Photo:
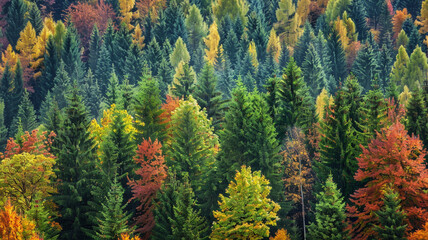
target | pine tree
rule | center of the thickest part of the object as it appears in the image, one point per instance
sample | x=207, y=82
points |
x=153, y=55
x=313, y=72
x=70, y=55
x=374, y=110
x=94, y=49
x=147, y=110
x=122, y=43
x=391, y=217
x=91, y=94
x=321, y=45
x=76, y=167
x=126, y=96
x=416, y=116
x=366, y=66
x=184, y=81
x=134, y=64
x=337, y=57
x=3, y=129
x=358, y=14
x=329, y=214
x=196, y=28
x=208, y=96
x=104, y=68
x=16, y=20
x=34, y=17
x=416, y=72
x=303, y=44
x=112, y=94
x=26, y=116
x=385, y=66
x=114, y=220
x=14, y=95
x=415, y=39
x=165, y=76
x=54, y=118
x=400, y=66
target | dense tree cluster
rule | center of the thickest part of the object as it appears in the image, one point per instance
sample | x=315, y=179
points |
x=214, y=119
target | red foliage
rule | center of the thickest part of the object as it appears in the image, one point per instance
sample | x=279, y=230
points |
x=150, y=6
x=85, y=15
x=169, y=106
x=152, y=173
x=390, y=8
x=393, y=158
x=352, y=52
x=314, y=12
x=30, y=143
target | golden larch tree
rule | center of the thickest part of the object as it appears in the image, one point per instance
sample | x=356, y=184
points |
x=274, y=45
x=211, y=42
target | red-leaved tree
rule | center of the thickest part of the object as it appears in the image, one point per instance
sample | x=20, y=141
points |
x=152, y=173
x=393, y=158
x=33, y=143
x=168, y=107
x=85, y=15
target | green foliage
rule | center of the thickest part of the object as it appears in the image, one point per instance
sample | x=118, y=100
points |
x=61, y=86
x=184, y=81
x=16, y=20
x=196, y=28
x=416, y=116
x=374, y=110
x=112, y=94
x=91, y=94
x=34, y=17
x=94, y=49
x=3, y=129
x=104, y=68
x=134, y=64
x=70, y=55
x=391, y=217
x=337, y=57
x=313, y=72
x=416, y=72
x=366, y=66
x=329, y=214
x=26, y=116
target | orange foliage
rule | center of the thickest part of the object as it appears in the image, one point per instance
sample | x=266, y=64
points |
x=30, y=143
x=152, y=173
x=150, y=6
x=85, y=15
x=15, y=227
x=392, y=158
x=127, y=237
x=352, y=52
x=421, y=234
x=281, y=234
x=168, y=107
x=398, y=20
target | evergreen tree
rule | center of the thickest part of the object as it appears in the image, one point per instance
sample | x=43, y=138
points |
x=14, y=96
x=284, y=58
x=165, y=76
x=122, y=43
x=91, y=94
x=321, y=45
x=329, y=214
x=374, y=110
x=134, y=64
x=104, y=68
x=3, y=129
x=313, y=72
x=180, y=53
x=16, y=20
x=258, y=34
x=385, y=66
x=414, y=39
x=61, y=86
x=196, y=28
x=26, y=116
x=358, y=14
x=184, y=81
x=112, y=94
x=147, y=110
x=76, y=167
x=391, y=217
x=337, y=57
x=366, y=66
x=303, y=44
x=232, y=48
x=114, y=220
x=54, y=118
x=416, y=72
x=414, y=6
x=176, y=214
x=398, y=72
x=416, y=116
x=154, y=56
x=94, y=49
x=208, y=96
x=70, y=55
x=126, y=96
x=34, y=17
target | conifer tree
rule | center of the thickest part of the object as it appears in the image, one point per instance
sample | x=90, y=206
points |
x=391, y=217
x=34, y=17
x=273, y=46
x=321, y=45
x=91, y=94
x=358, y=14
x=258, y=33
x=416, y=72
x=385, y=66
x=366, y=66
x=94, y=49
x=61, y=86
x=70, y=55
x=208, y=96
x=112, y=94
x=374, y=110
x=76, y=167
x=303, y=44
x=14, y=95
x=313, y=72
x=104, y=68
x=416, y=116
x=3, y=129
x=402, y=39
x=134, y=64
x=212, y=43
x=26, y=116
x=233, y=9
x=122, y=43
x=114, y=220
x=337, y=57
x=184, y=81
x=288, y=22
x=196, y=28
x=54, y=118
x=399, y=69
x=16, y=20
x=329, y=214
x=147, y=108
x=414, y=39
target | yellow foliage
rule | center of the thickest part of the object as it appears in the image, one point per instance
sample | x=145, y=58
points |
x=99, y=132
x=405, y=96
x=39, y=47
x=421, y=234
x=346, y=30
x=281, y=234
x=212, y=41
x=303, y=10
x=137, y=37
x=322, y=101
x=253, y=53
x=27, y=40
x=125, y=10
x=423, y=18
x=274, y=45
x=127, y=237
x=10, y=57
x=288, y=26
x=16, y=227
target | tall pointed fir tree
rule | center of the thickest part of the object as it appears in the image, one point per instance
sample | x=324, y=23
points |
x=416, y=72
x=26, y=116
x=35, y=18
x=5, y=86
x=358, y=14
x=337, y=58
x=76, y=167
x=153, y=55
x=3, y=129
x=112, y=94
x=374, y=110
x=313, y=72
x=14, y=94
x=94, y=48
x=122, y=43
x=134, y=64
x=303, y=44
x=91, y=94
x=61, y=86
x=330, y=214
x=385, y=66
x=147, y=108
x=184, y=81
x=208, y=96
x=391, y=217
x=104, y=68
x=16, y=20
x=398, y=72
x=417, y=116
x=366, y=66
x=70, y=55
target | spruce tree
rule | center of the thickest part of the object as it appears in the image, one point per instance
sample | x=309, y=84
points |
x=208, y=96
x=112, y=94
x=184, y=81
x=257, y=33
x=104, y=68
x=321, y=45
x=14, y=95
x=76, y=167
x=417, y=116
x=34, y=17
x=134, y=64
x=329, y=214
x=114, y=220
x=374, y=110
x=337, y=57
x=16, y=20
x=62, y=84
x=385, y=66
x=165, y=76
x=122, y=43
x=303, y=44
x=313, y=72
x=366, y=66
x=26, y=116
x=94, y=49
x=70, y=55
x=91, y=94
x=154, y=56
x=3, y=129
x=391, y=217
x=358, y=14
x=147, y=108
x=126, y=96
x=414, y=39
x=416, y=72
x=196, y=28
x=54, y=118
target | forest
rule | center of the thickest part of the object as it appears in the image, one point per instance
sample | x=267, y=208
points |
x=213, y=119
